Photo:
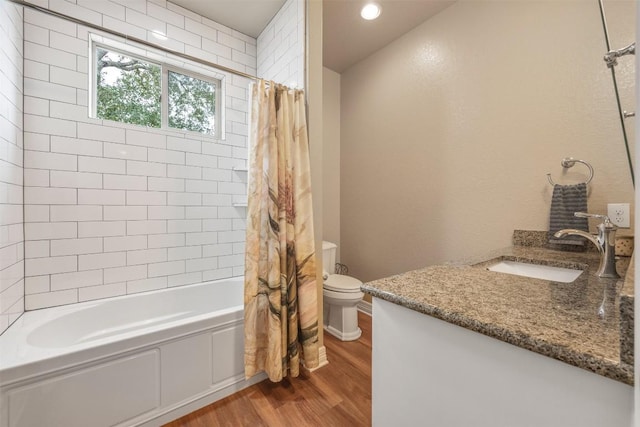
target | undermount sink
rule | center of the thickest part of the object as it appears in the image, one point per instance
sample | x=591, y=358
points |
x=536, y=271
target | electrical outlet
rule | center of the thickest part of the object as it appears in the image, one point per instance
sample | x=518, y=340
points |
x=619, y=214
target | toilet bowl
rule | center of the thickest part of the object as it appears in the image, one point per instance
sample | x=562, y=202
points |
x=341, y=295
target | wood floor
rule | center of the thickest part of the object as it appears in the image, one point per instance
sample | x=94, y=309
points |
x=336, y=395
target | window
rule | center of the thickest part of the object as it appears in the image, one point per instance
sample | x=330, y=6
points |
x=192, y=103
x=133, y=90
x=128, y=89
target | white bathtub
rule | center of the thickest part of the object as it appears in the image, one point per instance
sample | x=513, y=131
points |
x=141, y=359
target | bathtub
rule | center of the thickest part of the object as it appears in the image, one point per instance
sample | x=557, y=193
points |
x=135, y=360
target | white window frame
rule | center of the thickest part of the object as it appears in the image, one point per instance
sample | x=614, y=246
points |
x=166, y=64
x=165, y=96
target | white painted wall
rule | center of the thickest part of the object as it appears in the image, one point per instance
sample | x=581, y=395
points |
x=11, y=163
x=448, y=132
x=281, y=46
x=111, y=208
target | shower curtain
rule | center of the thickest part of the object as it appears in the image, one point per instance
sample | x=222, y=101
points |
x=280, y=300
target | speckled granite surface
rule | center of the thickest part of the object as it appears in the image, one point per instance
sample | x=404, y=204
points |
x=627, y=315
x=578, y=323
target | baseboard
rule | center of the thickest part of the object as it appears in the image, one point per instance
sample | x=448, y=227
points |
x=365, y=307
x=322, y=359
x=193, y=404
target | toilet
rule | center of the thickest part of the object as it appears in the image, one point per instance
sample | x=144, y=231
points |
x=341, y=295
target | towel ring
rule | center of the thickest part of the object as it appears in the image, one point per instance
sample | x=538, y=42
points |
x=567, y=163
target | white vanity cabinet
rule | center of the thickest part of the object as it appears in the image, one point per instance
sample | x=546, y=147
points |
x=427, y=372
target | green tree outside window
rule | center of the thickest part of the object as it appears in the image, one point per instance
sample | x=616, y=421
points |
x=191, y=103
x=129, y=90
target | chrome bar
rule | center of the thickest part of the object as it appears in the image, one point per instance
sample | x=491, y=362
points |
x=617, y=94
x=133, y=39
x=611, y=57
x=569, y=162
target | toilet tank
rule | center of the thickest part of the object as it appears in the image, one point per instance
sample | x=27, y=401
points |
x=329, y=257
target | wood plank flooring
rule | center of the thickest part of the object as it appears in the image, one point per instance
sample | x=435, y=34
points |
x=336, y=395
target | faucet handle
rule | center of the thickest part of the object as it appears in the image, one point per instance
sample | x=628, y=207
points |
x=588, y=215
x=605, y=219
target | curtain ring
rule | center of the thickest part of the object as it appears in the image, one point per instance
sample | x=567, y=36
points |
x=567, y=163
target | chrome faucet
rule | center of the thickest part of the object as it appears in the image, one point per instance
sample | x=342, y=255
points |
x=605, y=242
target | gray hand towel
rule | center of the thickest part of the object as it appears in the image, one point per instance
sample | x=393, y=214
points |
x=565, y=201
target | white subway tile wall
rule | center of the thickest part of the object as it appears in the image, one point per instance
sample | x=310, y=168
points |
x=12, y=283
x=113, y=208
x=280, y=47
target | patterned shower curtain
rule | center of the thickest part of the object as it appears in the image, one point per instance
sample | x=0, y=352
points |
x=280, y=300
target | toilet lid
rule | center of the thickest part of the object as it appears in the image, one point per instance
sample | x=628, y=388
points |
x=342, y=283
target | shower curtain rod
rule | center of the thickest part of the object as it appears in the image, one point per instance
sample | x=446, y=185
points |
x=133, y=39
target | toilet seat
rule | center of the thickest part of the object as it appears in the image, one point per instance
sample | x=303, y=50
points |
x=342, y=283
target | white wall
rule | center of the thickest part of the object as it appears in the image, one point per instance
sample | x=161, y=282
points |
x=448, y=132
x=281, y=46
x=331, y=157
x=111, y=208
x=11, y=163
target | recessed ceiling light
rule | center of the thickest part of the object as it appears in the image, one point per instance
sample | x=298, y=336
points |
x=370, y=11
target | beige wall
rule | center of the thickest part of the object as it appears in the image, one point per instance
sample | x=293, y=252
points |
x=448, y=132
x=331, y=157
x=313, y=84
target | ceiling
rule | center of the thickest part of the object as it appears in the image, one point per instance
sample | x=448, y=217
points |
x=347, y=38
x=249, y=17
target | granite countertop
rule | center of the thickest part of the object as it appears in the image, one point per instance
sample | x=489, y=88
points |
x=578, y=323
